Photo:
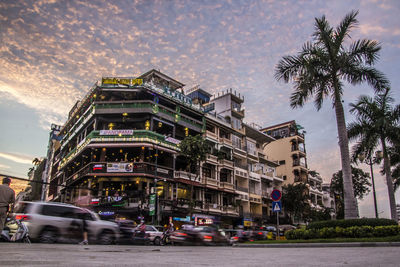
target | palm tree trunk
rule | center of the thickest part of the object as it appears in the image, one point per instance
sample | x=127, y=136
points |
x=389, y=181
x=350, y=204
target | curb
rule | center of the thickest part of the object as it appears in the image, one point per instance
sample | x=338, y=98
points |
x=321, y=245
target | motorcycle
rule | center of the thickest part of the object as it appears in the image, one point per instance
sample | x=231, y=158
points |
x=165, y=239
x=15, y=231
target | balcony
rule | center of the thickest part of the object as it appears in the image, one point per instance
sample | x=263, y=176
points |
x=211, y=135
x=266, y=192
x=187, y=176
x=239, y=112
x=126, y=136
x=231, y=210
x=212, y=159
x=255, y=198
x=212, y=207
x=210, y=182
x=241, y=172
x=242, y=189
x=120, y=169
x=226, y=141
x=254, y=176
x=226, y=163
x=299, y=163
x=227, y=185
x=239, y=152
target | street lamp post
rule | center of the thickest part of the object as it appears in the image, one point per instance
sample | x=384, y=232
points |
x=371, y=161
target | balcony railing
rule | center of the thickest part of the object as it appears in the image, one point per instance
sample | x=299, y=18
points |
x=212, y=207
x=241, y=172
x=136, y=136
x=118, y=168
x=242, y=189
x=210, y=181
x=227, y=163
x=299, y=163
x=225, y=141
x=187, y=176
x=227, y=185
x=212, y=135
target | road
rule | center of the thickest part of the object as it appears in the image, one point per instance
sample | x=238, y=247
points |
x=12, y=254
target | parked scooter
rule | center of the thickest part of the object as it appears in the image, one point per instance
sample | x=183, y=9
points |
x=15, y=231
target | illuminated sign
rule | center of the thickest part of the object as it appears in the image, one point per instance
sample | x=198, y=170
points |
x=98, y=167
x=116, y=132
x=179, y=219
x=125, y=81
x=119, y=167
x=106, y=213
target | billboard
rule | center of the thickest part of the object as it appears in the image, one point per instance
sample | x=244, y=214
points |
x=119, y=167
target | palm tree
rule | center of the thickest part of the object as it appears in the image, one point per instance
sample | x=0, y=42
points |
x=377, y=124
x=320, y=69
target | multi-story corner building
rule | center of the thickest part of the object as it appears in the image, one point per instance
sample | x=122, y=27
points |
x=254, y=174
x=289, y=150
x=120, y=144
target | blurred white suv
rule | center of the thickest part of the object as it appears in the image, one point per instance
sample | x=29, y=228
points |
x=50, y=222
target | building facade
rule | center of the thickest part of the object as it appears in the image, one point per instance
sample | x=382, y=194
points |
x=120, y=145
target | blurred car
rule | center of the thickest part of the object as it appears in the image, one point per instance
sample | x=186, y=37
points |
x=154, y=234
x=50, y=222
x=201, y=235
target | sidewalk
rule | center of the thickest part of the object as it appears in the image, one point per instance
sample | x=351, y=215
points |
x=321, y=245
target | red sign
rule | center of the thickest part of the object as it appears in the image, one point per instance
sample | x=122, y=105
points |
x=276, y=195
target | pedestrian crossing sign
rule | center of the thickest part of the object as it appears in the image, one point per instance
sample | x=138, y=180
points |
x=276, y=206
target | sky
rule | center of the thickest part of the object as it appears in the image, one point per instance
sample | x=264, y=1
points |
x=52, y=52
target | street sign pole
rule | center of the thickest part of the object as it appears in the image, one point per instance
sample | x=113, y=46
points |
x=277, y=226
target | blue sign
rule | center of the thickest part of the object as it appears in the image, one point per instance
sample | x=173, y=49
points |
x=276, y=206
x=276, y=195
x=178, y=219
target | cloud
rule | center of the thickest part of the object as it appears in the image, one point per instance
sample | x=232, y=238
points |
x=19, y=158
x=4, y=166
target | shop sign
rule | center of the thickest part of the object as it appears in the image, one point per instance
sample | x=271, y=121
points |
x=162, y=171
x=179, y=219
x=98, y=167
x=119, y=167
x=116, y=132
x=152, y=205
x=121, y=80
x=203, y=216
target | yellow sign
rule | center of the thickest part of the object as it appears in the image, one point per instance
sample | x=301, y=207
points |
x=126, y=81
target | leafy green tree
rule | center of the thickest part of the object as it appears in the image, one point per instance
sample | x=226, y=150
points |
x=395, y=163
x=377, y=125
x=360, y=183
x=295, y=200
x=195, y=150
x=320, y=69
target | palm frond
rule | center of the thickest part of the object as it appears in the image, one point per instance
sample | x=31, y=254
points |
x=343, y=29
x=365, y=51
x=356, y=74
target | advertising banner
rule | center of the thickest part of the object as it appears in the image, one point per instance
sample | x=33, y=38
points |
x=116, y=132
x=152, y=205
x=119, y=167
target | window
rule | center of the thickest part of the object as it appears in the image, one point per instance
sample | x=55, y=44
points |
x=284, y=177
x=58, y=211
x=236, y=141
x=236, y=123
x=282, y=162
